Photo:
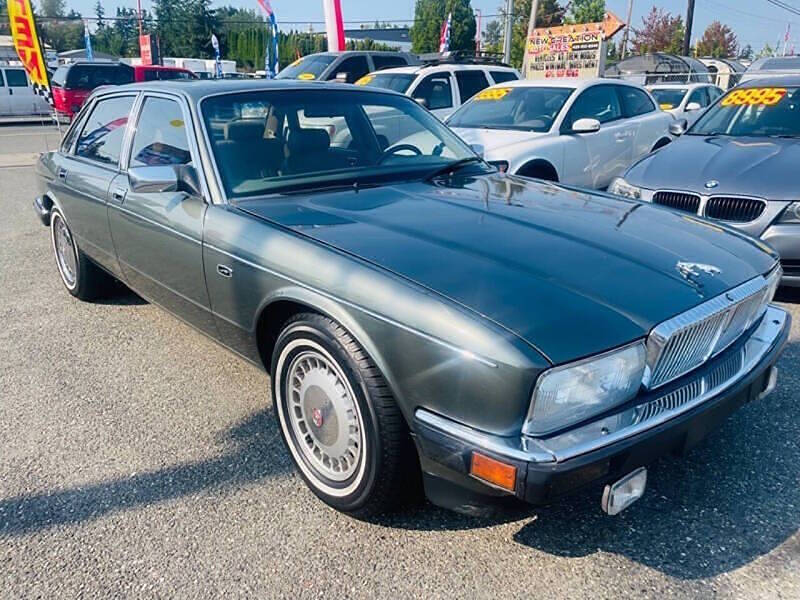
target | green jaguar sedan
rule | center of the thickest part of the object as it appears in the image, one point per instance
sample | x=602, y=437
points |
x=427, y=322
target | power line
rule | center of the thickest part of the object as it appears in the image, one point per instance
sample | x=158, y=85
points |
x=785, y=6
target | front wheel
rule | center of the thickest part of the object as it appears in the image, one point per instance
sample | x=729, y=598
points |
x=339, y=421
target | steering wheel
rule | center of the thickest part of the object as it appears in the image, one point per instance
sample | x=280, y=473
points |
x=399, y=148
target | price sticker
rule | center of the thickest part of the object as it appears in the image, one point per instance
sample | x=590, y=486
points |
x=754, y=96
x=493, y=94
x=365, y=80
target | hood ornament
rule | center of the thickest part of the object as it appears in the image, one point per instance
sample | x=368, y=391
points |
x=711, y=184
x=692, y=269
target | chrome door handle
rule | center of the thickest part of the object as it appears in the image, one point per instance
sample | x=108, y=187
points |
x=118, y=195
x=62, y=174
x=225, y=270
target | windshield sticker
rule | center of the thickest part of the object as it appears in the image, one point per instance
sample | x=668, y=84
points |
x=493, y=94
x=176, y=122
x=666, y=106
x=754, y=96
x=365, y=79
x=306, y=76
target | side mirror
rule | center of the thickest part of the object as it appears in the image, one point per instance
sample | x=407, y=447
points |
x=164, y=178
x=693, y=106
x=341, y=77
x=422, y=101
x=478, y=149
x=586, y=126
x=679, y=127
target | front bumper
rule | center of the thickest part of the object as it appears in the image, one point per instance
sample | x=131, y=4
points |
x=672, y=419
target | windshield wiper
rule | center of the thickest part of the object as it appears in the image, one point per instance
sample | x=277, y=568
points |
x=452, y=166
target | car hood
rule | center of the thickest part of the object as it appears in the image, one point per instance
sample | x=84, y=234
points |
x=761, y=167
x=491, y=139
x=570, y=272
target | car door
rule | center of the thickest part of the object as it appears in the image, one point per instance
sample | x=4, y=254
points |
x=87, y=172
x=435, y=92
x=20, y=95
x=158, y=234
x=648, y=125
x=5, y=102
x=594, y=159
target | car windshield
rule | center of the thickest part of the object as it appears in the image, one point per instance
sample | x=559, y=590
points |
x=753, y=112
x=308, y=67
x=278, y=140
x=397, y=82
x=523, y=108
x=668, y=98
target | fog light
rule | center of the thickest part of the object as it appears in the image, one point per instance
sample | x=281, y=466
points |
x=620, y=495
x=493, y=471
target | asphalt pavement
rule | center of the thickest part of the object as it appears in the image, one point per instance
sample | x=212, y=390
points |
x=139, y=459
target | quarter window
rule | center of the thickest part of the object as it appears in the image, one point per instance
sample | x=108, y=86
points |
x=598, y=102
x=160, y=137
x=635, y=102
x=503, y=76
x=101, y=138
x=470, y=83
x=435, y=91
x=16, y=78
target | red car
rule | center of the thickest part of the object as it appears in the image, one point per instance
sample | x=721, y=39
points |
x=73, y=83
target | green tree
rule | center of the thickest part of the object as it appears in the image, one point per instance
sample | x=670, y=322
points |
x=767, y=50
x=53, y=8
x=428, y=18
x=586, y=11
x=747, y=52
x=5, y=26
x=548, y=14
x=718, y=41
x=493, y=36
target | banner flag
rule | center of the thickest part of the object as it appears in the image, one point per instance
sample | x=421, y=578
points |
x=334, y=26
x=28, y=46
x=217, y=61
x=271, y=64
x=444, y=38
x=87, y=41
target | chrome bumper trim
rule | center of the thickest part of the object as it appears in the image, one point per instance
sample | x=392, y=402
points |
x=631, y=421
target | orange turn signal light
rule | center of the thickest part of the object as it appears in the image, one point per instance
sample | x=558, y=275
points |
x=493, y=471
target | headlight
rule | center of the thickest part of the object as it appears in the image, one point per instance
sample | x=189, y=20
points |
x=620, y=187
x=791, y=214
x=571, y=393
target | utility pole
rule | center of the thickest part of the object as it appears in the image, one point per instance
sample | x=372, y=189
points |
x=687, y=41
x=624, y=52
x=139, y=15
x=508, y=32
x=531, y=27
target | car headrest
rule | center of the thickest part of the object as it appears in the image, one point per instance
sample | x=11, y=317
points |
x=308, y=140
x=244, y=129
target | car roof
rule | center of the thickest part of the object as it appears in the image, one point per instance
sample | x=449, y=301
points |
x=578, y=84
x=195, y=89
x=672, y=86
x=772, y=80
x=419, y=69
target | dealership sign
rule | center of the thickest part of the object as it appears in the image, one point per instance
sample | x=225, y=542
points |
x=569, y=51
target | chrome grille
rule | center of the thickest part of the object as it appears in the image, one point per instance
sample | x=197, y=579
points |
x=686, y=341
x=738, y=210
x=678, y=201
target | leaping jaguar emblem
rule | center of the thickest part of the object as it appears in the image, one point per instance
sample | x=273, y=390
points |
x=692, y=269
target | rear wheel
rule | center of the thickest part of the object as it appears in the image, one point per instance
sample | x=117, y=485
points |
x=339, y=421
x=82, y=278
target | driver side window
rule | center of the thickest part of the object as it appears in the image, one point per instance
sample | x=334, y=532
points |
x=599, y=102
x=436, y=91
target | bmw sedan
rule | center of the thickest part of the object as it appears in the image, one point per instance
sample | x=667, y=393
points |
x=426, y=321
x=736, y=165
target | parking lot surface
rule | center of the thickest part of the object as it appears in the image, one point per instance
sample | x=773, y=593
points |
x=139, y=459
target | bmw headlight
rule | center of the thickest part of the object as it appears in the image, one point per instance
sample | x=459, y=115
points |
x=571, y=393
x=791, y=215
x=620, y=187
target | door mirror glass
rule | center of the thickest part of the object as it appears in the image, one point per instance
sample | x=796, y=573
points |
x=341, y=77
x=586, y=126
x=422, y=102
x=678, y=127
x=153, y=180
x=693, y=106
x=478, y=149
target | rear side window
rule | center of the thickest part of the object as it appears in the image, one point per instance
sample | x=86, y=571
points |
x=88, y=77
x=635, y=102
x=503, y=76
x=16, y=78
x=382, y=61
x=470, y=83
x=355, y=67
x=160, y=135
x=59, y=78
x=101, y=138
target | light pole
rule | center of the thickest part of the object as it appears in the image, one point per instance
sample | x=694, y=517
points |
x=507, y=38
x=627, y=30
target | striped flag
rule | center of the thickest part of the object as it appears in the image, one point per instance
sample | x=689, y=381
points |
x=334, y=26
x=271, y=65
x=444, y=38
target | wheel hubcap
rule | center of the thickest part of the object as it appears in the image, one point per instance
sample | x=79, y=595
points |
x=65, y=252
x=323, y=415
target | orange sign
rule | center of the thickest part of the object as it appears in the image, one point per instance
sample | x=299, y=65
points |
x=146, y=49
x=26, y=42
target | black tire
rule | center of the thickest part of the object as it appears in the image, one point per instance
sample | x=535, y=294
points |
x=387, y=467
x=88, y=281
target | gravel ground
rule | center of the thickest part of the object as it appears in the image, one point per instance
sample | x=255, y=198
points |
x=139, y=459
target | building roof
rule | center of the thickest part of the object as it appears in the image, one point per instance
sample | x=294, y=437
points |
x=398, y=35
x=80, y=53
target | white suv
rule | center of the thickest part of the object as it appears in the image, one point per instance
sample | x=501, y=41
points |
x=441, y=86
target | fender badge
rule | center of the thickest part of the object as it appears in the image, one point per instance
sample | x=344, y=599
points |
x=711, y=184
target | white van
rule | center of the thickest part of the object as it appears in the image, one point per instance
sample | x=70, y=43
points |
x=17, y=98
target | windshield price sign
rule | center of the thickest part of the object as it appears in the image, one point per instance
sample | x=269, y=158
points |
x=754, y=96
x=493, y=94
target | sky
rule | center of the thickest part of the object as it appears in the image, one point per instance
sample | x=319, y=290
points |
x=755, y=22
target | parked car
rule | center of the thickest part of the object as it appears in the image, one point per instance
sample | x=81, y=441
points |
x=73, y=83
x=685, y=101
x=442, y=85
x=735, y=165
x=17, y=98
x=347, y=67
x=772, y=66
x=583, y=133
x=417, y=311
